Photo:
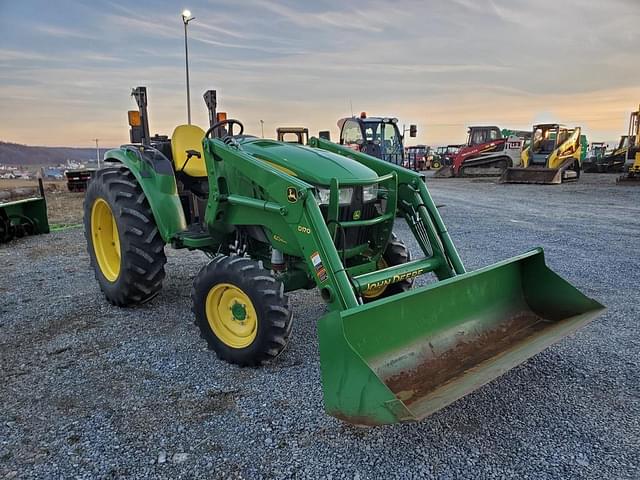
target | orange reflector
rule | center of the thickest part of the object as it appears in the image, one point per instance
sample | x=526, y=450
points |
x=221, y=116
x=134, y=118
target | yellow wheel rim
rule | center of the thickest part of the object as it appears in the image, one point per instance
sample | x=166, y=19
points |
x=374, y=292
x=106, y=243
x=231, y=315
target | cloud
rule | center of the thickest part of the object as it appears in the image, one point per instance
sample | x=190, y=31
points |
x=61, y=32
x=372, y=18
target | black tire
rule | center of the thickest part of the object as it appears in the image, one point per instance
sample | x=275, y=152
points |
x=142, y=257
x=396, y=253
x=267, y=298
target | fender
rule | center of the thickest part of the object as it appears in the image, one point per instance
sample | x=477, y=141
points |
x=155, y=176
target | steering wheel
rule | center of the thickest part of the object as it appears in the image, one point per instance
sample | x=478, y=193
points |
x=230, y=122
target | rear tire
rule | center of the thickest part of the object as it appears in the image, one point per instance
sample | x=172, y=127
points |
x=241, y=311
x=396, y=253
x=128, y=256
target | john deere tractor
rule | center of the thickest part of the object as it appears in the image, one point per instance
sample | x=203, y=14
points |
x=276, y=217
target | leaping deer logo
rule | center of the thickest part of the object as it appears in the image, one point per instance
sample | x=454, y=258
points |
x=292, y=194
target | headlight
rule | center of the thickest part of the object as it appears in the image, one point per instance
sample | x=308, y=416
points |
x=370, y=193
x=323, y=195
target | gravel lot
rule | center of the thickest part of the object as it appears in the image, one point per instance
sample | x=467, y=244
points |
x=94, y=391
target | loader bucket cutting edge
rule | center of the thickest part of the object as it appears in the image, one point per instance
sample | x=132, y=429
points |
x=405, y=357
x=544, y=176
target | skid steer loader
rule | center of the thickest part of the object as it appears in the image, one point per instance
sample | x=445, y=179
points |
x=487, y=153
x=554, y=156
x=276, y=217
x=616, y=160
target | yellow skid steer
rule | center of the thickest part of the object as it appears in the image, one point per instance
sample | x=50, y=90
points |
x=552, y=157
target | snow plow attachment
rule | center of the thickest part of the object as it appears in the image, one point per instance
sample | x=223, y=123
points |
x=404, y=357
x=24, y=217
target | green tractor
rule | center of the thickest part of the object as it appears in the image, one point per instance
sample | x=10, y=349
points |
x=276, y=217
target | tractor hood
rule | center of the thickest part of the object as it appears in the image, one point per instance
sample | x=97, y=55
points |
x=312, y=165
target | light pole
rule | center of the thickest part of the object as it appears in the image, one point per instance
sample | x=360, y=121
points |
x=262, y=127
x=186, y=18
x=97, y=152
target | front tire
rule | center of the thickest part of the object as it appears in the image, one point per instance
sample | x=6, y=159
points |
x=125, y=248
x=241, y=311
x=396, y=253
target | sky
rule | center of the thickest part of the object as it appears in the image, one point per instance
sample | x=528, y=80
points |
x=67, y=66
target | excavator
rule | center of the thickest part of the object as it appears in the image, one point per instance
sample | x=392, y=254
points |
x=486, y=153
x=553, y=157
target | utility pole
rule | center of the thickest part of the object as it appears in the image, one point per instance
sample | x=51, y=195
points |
x=97, y=152
x=262, y=127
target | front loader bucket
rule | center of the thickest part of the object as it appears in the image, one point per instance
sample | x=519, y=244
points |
x=404, y=357
x=444, y=172
x=545, y=176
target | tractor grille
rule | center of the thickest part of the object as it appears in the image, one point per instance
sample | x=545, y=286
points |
x=356, y=235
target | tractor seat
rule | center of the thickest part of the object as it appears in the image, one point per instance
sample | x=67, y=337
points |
x=186, y=151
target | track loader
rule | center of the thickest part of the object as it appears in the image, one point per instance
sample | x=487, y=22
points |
x=487, y=153
x=276, y=217
x=554, y=156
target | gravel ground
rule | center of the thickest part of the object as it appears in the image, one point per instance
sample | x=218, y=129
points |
x=94, y=391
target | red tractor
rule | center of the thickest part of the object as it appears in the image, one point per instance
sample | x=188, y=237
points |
x=486, y=153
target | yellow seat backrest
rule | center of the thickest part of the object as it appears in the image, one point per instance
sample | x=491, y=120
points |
x=188, y=137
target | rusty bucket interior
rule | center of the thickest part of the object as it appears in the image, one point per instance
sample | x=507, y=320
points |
x=404, y=357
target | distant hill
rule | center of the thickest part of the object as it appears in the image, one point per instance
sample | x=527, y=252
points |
x=16, y=154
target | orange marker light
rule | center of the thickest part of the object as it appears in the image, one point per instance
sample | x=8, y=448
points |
x=134, y=118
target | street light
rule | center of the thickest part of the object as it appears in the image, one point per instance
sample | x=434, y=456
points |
x=262, y=127
x=186, y=18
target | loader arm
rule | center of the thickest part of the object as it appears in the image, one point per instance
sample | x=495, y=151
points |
x=415, y=204
x=299, y=228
